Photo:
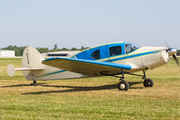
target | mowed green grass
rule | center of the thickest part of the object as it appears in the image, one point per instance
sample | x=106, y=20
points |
x=90, y=98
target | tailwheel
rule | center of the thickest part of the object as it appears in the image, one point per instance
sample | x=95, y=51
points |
x=123, y=85
x=148, y=82
x=34, y=82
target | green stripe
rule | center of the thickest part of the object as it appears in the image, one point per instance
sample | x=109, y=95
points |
x=52, y=73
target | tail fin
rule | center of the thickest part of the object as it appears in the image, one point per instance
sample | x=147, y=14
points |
x=31, y=63
x=31, y=58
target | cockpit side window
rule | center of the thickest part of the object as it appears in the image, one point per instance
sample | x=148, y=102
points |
x=116, y=50
x=130, y=47
x=96, y=54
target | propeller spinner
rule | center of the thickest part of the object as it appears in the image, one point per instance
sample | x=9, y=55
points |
x=172, y=52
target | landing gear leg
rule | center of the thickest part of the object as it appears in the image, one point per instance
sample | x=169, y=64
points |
x=123, y=85
x=147, y=81
x=34, y=82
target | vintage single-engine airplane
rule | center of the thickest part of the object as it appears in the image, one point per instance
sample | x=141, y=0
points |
x=111, y=59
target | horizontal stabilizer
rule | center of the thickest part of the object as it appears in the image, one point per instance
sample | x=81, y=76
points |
x=11, y=70
x=28, y=69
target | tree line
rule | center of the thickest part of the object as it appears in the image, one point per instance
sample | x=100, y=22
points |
x=19, y=50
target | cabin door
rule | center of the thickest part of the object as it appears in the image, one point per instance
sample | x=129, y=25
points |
x=98, y=53
x=116, y=52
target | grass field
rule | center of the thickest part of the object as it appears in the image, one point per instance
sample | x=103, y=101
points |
x=90, y=98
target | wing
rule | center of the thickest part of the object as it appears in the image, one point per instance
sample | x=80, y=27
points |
x=86, y=67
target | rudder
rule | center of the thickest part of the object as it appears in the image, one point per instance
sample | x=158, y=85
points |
x=31, y=59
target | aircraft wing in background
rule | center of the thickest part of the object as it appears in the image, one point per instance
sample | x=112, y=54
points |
x=86, y=67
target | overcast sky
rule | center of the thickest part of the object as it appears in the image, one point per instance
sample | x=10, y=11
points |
x=43, y=23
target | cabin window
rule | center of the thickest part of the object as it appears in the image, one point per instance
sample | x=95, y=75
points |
x=116, y=50
x=96, y=54
x=130, y=47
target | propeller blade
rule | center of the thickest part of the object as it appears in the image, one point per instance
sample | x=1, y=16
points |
x=175, y=58
x=166, y=43
x=172, y=52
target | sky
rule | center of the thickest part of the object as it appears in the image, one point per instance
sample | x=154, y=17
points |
x=44, y=23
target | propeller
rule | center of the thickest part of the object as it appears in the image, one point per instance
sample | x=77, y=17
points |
x=175, y=58
x=172, y=52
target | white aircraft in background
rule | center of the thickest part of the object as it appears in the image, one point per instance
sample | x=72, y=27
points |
x=111, y=59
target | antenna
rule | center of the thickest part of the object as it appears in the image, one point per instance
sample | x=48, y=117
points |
x=86, y=43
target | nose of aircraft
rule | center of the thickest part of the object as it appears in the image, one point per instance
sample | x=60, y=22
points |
x=172, y=52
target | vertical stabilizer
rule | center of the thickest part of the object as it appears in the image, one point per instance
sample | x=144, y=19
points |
x=31, y=59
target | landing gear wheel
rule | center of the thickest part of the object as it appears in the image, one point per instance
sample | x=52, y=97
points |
x=123, y=85
x=148, y=82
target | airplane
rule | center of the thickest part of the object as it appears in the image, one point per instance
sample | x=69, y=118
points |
x=112, y=59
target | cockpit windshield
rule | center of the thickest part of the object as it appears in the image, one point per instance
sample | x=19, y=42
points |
x=129, y=47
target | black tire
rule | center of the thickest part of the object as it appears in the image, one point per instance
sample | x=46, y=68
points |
x=148, y=82
x=123, y=85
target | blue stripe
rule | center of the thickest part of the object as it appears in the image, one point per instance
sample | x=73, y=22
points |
x=132, y=56
x=49, y=59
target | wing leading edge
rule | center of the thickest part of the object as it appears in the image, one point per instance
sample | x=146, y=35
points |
x=86, y=67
